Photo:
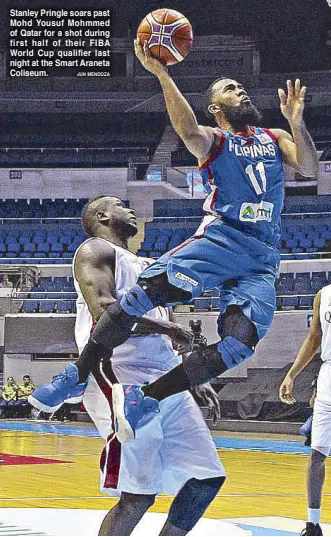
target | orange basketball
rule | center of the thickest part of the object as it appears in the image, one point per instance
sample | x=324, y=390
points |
x=168, y=33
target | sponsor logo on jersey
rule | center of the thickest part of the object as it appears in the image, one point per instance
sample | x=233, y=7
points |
x=252, y=150
x=256, y=212
x=185, y=278
x=264, y=138
x=248, y=213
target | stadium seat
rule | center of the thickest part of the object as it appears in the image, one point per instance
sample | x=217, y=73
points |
x=30, y=306
x=64, y=306
x=29, y=247
x=47, y=306
x=292, y=243
x=319, y=243
x=42, y=247
x=202, y=304
x=290, y=302
x=13, y=247
x=306, y=302
x=302, y=276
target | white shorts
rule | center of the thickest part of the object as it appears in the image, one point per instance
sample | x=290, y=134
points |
x=175, y=446
x=321, y=426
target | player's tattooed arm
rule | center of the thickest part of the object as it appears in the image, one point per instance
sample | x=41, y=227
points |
x=305, y=355
x=299, y=149
x=198, y=139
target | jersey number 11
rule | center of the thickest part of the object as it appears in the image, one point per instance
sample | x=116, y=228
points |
x=253, y=178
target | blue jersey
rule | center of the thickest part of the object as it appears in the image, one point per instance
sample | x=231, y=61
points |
x=245, y=182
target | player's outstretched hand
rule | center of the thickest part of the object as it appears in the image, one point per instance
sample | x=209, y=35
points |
x=143, y=54
x=182, y=338
x=293, y=103
x=286, y=391
x=208, y=397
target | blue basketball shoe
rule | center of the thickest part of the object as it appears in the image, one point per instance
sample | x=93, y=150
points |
x=64, y=388
x=131, y=409
x=305, y=430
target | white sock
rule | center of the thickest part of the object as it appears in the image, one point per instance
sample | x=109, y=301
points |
x=314, y=515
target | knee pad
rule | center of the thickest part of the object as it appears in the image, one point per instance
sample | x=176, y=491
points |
x=239, y=336
x=192, y=501
x=136, y=302
x=233, y=322
x=233, y=351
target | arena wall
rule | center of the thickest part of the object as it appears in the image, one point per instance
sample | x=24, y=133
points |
x=276, y=350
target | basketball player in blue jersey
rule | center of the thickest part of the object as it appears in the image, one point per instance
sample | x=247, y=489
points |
x=234, y=248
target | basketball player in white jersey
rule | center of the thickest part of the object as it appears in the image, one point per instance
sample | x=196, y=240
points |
x=174, y=453
x=319, y=335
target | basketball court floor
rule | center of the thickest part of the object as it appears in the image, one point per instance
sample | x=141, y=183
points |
x=50, y=484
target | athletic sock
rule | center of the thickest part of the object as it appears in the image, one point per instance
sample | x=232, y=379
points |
x=314, y=515
x=91, y=355
x=200, y=367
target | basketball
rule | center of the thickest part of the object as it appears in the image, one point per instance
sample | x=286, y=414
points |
x=169, y=35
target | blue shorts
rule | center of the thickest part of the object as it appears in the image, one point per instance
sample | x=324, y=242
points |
x=242, y=267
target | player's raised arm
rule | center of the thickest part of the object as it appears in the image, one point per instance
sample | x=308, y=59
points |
x=299, y=151
x=197, y=139
x=305, y=355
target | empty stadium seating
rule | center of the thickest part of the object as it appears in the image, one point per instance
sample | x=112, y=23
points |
x=51, y=295
x=41, y=208
x=35, y=239
x=73, y=140
x=300, y=238
x=51, y=243
x=35, y=230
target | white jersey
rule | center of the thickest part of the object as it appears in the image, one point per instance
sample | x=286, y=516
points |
x=153, y=352
x=325, y=320
x=176, y=445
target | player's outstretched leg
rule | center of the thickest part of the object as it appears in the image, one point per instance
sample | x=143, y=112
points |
x=113, y=328
x=123, y=518
x=239, y=338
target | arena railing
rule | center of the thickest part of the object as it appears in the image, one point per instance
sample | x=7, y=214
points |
x=78, y=149
x=286, y=215
x=25, y=219
x=19, y=298
x=306, y=214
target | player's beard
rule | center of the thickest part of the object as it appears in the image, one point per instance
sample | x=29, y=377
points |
x=241, y=116
x=125, y=229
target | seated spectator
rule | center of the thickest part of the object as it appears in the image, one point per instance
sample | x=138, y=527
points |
x=6, y=283
x=8, y=403
x=24, y=390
